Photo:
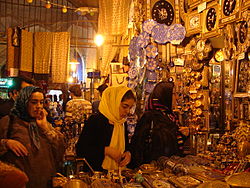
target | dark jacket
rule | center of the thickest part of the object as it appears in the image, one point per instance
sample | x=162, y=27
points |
x=5, y=107
x=95, y=136
x=155, y=136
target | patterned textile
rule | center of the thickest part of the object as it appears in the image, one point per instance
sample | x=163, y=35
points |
x=77, y=110
x=60, y=56
x=42, y=52
x=112, y=22
x=26, y=51
x=13, y=53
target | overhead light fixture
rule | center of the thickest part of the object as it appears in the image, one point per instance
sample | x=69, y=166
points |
x=99, y=40
x=64, y=9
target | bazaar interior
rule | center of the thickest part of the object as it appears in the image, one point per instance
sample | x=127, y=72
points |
x=201, y=46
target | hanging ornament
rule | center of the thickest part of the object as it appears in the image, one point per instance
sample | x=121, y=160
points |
x=29, y=1
x=48, y=5
x=91, y=13
x=64, y=9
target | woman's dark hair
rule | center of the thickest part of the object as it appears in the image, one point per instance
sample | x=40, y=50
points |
x=76, y=90
x=128, y=95
x=163, y=92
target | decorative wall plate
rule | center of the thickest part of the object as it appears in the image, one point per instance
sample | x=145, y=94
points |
x=143, y=39
x=133, y=48
x=151, y=64
x=132, y=84
x=141, y=74
x=151, y=76
x=133, y=72
x=151, y=51
x=149, y=87
x=148, y=25
x=160, y=33
x=176, y=33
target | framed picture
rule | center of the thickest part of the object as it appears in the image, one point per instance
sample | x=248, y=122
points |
x=236, y=110
x=242, y=82
x=116, y=68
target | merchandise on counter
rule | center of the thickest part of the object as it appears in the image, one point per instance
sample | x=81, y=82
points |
x=239, y=180
x=213, y=184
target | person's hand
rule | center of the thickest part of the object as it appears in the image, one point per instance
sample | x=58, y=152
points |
x=18, y=148
x=41, y=121
x=113, y=153
x=125, y=158
x=184, y=130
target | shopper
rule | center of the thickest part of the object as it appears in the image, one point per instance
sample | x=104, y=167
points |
x=156, y=133
x=103, y=140
x=77, y=109
x=18, y=83
x=95, y=104
x=28, y=140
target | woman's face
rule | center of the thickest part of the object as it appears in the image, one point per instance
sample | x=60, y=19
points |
x=35, y=104
x=125, y=107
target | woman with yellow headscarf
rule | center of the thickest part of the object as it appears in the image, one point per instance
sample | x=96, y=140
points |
x=103, y=139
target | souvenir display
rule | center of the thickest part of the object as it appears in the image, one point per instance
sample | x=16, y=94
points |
x=243, y=76
x=143, y=39
x=149, y=86
x=176, y=33
x=151, y=76
x=243, y=30
x=230, y=11
x=133, y=48
x=132, y=73
x=132, y=84
x=160, y=33
x=211, y=20
x=239, y=180
x=163, y=12
x=148, y=25
x=151, y=64
x=151, y=51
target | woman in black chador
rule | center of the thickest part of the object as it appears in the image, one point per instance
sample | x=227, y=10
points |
x=157, y=132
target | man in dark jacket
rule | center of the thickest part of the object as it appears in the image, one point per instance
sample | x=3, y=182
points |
x=19, y=83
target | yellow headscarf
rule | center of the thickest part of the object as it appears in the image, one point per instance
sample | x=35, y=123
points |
x=109, y=107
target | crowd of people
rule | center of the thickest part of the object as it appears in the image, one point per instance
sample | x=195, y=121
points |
x=33, y=148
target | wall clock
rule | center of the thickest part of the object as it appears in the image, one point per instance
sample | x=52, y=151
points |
x=219, y=56
x=193, y=23
x=229, y=7
x=230, y=11
x=163, y=12
x=211, y=19
x=243, y=31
